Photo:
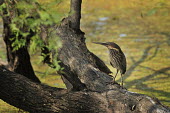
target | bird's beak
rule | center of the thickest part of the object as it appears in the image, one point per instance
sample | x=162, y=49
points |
x=104, y=44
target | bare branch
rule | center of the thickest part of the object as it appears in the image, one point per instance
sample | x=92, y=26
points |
x=19, y=91
x=75, y=12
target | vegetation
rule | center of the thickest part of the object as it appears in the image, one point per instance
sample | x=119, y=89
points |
x=141, y=28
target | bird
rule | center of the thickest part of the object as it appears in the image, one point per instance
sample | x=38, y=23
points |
x=117, y=58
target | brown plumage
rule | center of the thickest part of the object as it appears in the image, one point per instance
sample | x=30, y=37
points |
x=117, y=58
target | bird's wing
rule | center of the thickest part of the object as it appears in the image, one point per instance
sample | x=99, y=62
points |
x=118, y=60
x=111, y=64
x=123, y=63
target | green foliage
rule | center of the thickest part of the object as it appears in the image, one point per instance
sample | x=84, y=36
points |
x=18, y=43
x=161, y=6
x=27, y=20
x=2, y=6
x=152, y=11
x=36, y=44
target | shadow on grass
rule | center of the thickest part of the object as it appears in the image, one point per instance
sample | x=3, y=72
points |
x=139, y=83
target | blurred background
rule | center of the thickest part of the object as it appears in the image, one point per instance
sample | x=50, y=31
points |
x=140, y=27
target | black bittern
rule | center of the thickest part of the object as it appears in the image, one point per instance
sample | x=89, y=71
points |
x=117, y=58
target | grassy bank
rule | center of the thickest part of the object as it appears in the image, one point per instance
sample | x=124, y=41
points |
x=141, y=28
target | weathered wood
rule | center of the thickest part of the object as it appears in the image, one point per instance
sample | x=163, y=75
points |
x=86, y=77
x=79, y=63
x=1, y=2
x=75, y=14
x=81, y=67
x=20, y=92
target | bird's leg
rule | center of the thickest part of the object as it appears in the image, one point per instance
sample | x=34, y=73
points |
x=115, y=75
x=121, y=80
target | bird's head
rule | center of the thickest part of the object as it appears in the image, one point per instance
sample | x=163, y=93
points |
x=109, y=45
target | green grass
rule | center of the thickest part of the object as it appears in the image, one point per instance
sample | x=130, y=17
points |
x=149, y=74
x=146, y=46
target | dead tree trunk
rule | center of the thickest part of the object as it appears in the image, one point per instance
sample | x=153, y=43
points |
x=20, y=92
x=86, y=77
x=81, y=67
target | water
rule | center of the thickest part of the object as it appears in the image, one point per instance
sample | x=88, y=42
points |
x=144, y=40
x=145, y=43
x=103, y=18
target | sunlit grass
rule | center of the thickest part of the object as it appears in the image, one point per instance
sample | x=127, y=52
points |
x=6, y=108
x=149, y=74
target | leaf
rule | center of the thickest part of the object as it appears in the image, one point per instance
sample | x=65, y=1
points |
x=14, y=27
x=152, y=12
x=44, y=15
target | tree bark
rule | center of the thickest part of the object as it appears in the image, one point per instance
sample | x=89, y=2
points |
x=18, y=60
x=1, y=2
x=21, y=92
x=86, y=77
x=81, y=67
x=75, y=13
